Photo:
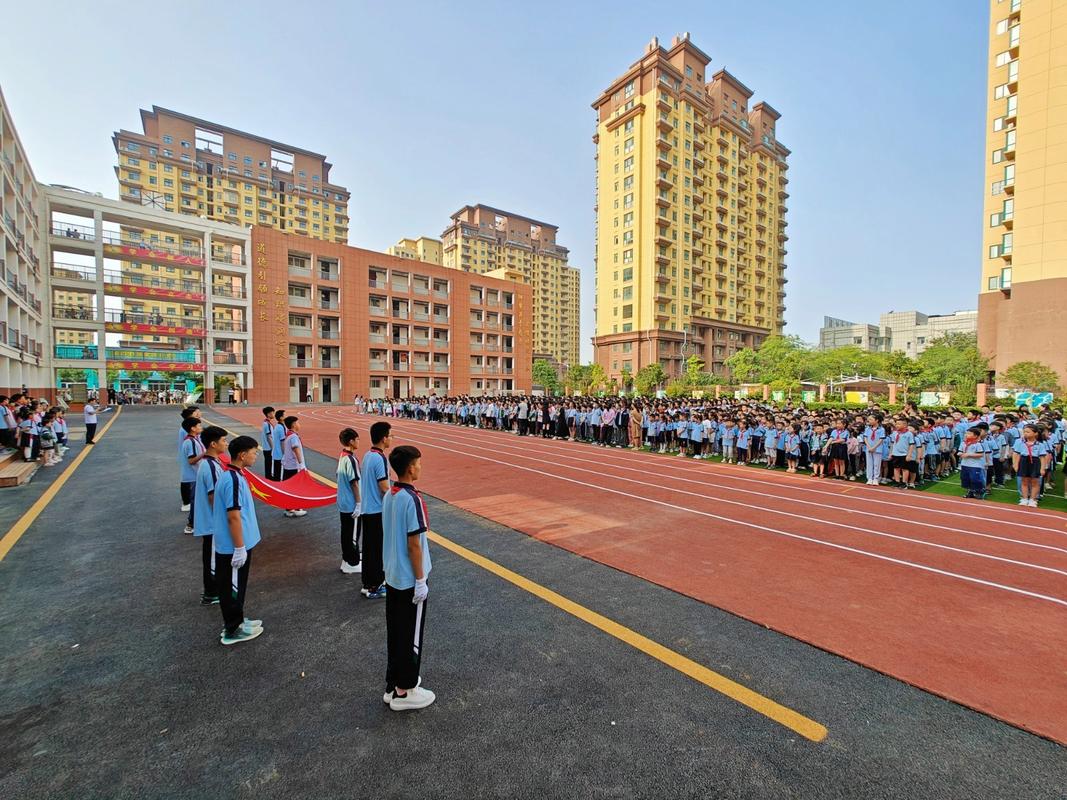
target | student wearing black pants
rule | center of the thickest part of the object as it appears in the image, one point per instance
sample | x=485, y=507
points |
x=373, y=572
x=232, y=603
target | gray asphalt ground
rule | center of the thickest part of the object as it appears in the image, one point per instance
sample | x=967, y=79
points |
x=114, y=684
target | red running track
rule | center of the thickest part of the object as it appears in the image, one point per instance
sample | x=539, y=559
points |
x=963, y=600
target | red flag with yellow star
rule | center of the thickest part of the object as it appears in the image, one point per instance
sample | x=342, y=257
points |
x=300, y=491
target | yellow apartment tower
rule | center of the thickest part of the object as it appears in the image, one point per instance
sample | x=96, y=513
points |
x=503, y=245
x=424, y=249
x=1024, y=246
x=191, y=166
x=691, y=215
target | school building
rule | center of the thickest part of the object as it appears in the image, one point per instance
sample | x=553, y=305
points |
x=333, y=321
x=691, y=215
x=1024, y=246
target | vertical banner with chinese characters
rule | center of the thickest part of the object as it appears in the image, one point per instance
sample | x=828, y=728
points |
x=271, y=305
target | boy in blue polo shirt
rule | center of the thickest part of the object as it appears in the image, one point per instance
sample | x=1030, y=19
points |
x=277, y=437
x=236, y=532
x=191, y=451
x=187, y=413
x=266, y=432
x=348, y=501
x=373, y=485
x=207, y=476
x=406, y=557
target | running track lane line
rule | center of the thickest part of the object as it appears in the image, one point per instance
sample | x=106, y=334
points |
x=34, y=511
x=784, y=716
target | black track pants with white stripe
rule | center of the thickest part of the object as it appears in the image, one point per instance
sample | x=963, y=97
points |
x=404, y=623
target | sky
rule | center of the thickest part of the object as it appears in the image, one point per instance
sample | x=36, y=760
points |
x=426, y=107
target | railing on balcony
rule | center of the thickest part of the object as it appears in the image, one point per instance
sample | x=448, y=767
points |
x=330, y=363
x=301, y=363
x=71, y=231
x=377, y=311
x=329, y=305
x=299, y=330
x=162, y=320
x=300, y=301
x=223, y=290
x=330, y=333
x=439, y=367
x=223, y=357
x=378, y=338
x=235, y=325
x=226, y=255
x=74, y=272
x=376, y=363
x=80, y=313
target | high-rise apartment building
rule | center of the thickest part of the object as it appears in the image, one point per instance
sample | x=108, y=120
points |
x=487, y=240
x=691, y=215
x=192, y=166
x=23, y=331
x=424, y=249
x=1024, y=247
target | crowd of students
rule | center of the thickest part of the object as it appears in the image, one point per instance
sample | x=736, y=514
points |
x=37, y=430
x=906, y=449
x=383, y=526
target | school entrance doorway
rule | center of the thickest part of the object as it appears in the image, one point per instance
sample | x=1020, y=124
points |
x=331, y=389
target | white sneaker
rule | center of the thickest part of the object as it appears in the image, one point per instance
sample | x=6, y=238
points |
x=185, y=508
x=299, y=512
x=1033, y=504
x=348, y=569
x=188, y=529
x=1024, y=502
x=388, y=696
x=414, y=699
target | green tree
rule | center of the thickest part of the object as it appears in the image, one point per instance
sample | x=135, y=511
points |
x=544, y=375
x=576, y=379
x=744, y=366
x=649, y=378
x=597, y=378
x=953, y=362
x=627, y=379
x=677, y=388
x=1033, y=376
x=903, y=369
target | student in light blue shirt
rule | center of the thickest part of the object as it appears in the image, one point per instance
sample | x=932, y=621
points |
x=277, y=437
x=192, y=412
x=235, y=532
x=407, y=565
x=348, y=501
x=208, y=472
x=728, y=437
x=373, y=485
x=973, y=463
x=191, y=451
x=266, y=432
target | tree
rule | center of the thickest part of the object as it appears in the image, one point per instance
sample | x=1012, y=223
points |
x=597, y=378
x=953, y=361
x=649, y=378
x=1032, y=376
x=576, y=378
x=545, y=376
x=627, y=379
x=902, y=368
x=677, y=388
x=744, y=365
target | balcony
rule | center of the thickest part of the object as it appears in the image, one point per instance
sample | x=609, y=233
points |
x=221, y=357
x=299, y=269
x=76, y=313
x=132, y=279
x=84, y=233
x=229, y=292
x=74, y=272
x=376, y=363
x=329, y=305
x=439, y=367
x=300, y=331
x=329, y=333
x=230, y=256
x=376, y=338
x=229, y=325
x=377, y=311
x=330, y=363
x=130, y=320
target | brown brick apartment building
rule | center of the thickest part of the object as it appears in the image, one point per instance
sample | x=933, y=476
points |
x=337, y=321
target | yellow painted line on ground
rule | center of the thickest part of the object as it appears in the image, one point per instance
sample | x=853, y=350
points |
x=34, y=511
x=787, y=717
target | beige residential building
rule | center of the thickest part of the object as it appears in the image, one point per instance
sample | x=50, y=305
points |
x=1024, y=248
x=691, y=214
x=210, y=171
x=486, y=240
x=424, y=249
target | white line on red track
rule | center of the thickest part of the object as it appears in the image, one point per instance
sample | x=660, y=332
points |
x=326, y=416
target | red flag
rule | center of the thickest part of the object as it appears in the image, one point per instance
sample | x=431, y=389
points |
x=300, y=491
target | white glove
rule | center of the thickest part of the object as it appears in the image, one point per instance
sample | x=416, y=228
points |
x=301, y=468
x=240, y=556
x=421, y=591
x=358, y=511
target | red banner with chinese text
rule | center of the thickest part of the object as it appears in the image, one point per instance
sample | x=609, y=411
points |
x=158, y=330
x=161, y=366
x=149, y=254
x=131, y=290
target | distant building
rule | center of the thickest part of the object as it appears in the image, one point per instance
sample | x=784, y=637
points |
x=425, y=249
x=910, y=332
x=841, y=333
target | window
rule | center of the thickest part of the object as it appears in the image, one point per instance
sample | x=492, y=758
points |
x=1002, y=27
x=248, y=159
x=627, y=292
x=628, y=145
x=628, y=311
x=231, y=156
x=168, y=139
x=628, y=272
x=993, y=283
x=628, y=89
x=1003, y=58
x=628, y=219
x=628, y=126
x=186, y=144
x=628, y=164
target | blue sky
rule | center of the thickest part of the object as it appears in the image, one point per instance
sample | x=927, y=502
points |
x=425, y=107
